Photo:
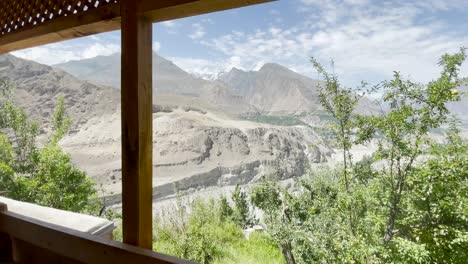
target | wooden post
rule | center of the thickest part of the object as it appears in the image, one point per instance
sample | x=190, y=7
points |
x=136, y=126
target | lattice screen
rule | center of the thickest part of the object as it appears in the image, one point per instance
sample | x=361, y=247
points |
x=19, y=14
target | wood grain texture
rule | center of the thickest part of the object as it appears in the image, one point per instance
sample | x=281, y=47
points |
x=137, y=127
x=5, y=248
x=69, y=244
x=199, y=7
x=5, y=242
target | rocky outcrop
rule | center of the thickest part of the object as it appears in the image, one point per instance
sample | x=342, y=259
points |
x=38, y=86
x=199, y=149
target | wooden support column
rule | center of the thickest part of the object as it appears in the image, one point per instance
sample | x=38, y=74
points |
x=136, y=126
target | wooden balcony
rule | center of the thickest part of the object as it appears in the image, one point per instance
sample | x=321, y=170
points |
x=25, y=239
x=27, y=23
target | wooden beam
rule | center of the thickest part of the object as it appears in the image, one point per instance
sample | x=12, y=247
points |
x=72, y=244
x=137, y=126
x=194, y=8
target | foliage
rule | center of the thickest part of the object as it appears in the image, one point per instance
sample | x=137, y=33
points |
x=312, y=220
x=414, y=110
x=46, y=175
x=278, y=120
x=225, y=210
x=407, y=203
x=340, y=103
x=61, y=121
x=278, y=220
x=258, y=249
x=206, y=236
x=242, y=215
x=55, y=183
x=436, y=218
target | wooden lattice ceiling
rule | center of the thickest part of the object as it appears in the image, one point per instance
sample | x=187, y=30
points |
x=29, y=23
x=19, y=14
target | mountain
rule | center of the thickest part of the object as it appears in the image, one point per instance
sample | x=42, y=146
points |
x=199, y=142
x=168, y=79
x=38, y=86
x=275, y=89
x=196, y=144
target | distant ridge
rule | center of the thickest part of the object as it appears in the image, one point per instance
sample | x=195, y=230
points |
x=273, y=89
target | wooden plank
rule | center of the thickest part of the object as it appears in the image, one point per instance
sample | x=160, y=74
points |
x=137, y=126
x=196, y=8
x=5, y=248
x=5, y=242
x=79, y=246
x=24, y=252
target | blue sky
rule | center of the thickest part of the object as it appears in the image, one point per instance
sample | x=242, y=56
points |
x=367, y=39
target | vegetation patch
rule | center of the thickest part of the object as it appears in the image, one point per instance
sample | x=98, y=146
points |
x=277, y=120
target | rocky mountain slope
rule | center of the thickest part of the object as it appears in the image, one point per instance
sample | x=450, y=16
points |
x=275, y=89
x=197, y=142
x=272, y=89
x=195, y=148
x=167, y=79
x=38, y=86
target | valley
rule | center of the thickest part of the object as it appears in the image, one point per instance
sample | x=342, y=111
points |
x=207, y=135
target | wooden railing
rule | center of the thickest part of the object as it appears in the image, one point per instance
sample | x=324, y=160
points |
x=28, y=240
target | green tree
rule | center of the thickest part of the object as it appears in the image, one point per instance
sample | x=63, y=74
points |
x=437, y=205
x=23, y=139
x=278, y=220
x=61, y=121
x=414, y=110
x=226, y=211
x=242, y=214
x=340, y=103
x=40, y=175
x=407, y=202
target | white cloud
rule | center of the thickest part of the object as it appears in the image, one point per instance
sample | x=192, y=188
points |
x=99, y=49
x=66, y=51
x=199, y=31
x=50, y=54
x=156, y=46
x=169, y=24
x=206, y=68
x=274, y=12
x=203, y=68
x=367, y=40
x=366, y=43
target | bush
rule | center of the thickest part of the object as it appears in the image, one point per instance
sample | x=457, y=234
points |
x=204, y=234
x=45, y=176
